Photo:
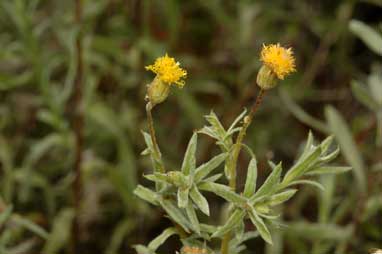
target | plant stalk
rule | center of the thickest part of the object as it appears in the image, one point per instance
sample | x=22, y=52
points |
x=235, y=155
x=157, y=153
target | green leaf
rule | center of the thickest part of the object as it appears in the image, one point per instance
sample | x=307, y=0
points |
x=325, y=145
x=20, y=221
x=160, y=239
x=308, y=182
x=206, y=168
x=159, y=178
x=281, y=197
x=222, y=191
x=233, y=221
x=147, y=194
x=213, y=178
x=328, y=170
x=250, y=182
x=239, y=231
x=200, y=200
x=218, y=128
x=363, y=95
x=329, y=157
x=348, y=147
x=300, y=114
x=61, y=230
x=260, y=226
x=237, y=120
x=188, y=165
x=141, y=249
x=368, y=35
x=191, y=214
x=271, y=184
x=318, y=231
x=375, y=84
x=176, y=214
x=308, y=145
x=5, y=214
x=208, y=228
x=183, y=197
x=302, y=166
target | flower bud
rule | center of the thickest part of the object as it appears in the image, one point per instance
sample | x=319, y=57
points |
x=157, y=91
x=266, y=78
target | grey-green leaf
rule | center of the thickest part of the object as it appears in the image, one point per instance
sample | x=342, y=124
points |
x=363, y=95
x=5, y=215
x=348, y=147
x=281, y=197
x=232, y=222
x=141, y=249
x=308, y=182
x=222, y=191
x=176, y=214
x=191, y=214
x=271, y=184
x=146, y=194
x=368, y=35
x=260, y=226
x=160, y=239
x=200, y=200
x=188, y=165
x=250, y=182
x=206, y=168
x=328, y=170
x=302, y=166
x=183, y=197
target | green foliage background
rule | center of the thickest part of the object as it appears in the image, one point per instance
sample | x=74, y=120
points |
x=337, y=89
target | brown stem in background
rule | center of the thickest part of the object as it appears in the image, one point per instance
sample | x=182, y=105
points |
x=78, y=126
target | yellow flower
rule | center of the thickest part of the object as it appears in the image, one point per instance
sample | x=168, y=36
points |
x=278, y=59
x=168, y=71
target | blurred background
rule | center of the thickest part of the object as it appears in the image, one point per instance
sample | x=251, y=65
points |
x=72, y=87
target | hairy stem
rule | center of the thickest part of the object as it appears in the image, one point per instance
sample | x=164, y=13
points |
x=235, y=155
x=78, y=125
x=157, y=153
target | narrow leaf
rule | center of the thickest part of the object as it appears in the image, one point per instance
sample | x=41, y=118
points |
x=5, y=214
x=206, y=168
x=328, y=170
x=200, y=200
x=250, y=183
x=260, y=226
x=160, y=239
x=363, y=95
x=281, y=197
x=308, y=182
x=222, y=191
x=232, y=222
x=368, y=35
x=183, y=197
x=176, y=214
x=348, y=147
x=188, y=165
x=146, y=194
x=191, y=214
x=302, y=166
x=270, y=185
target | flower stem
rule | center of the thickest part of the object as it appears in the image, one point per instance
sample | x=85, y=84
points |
x=235, y=154
x=157, y=153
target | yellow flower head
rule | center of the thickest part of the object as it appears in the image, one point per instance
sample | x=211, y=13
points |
x=279, y=59
x=168, y=71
